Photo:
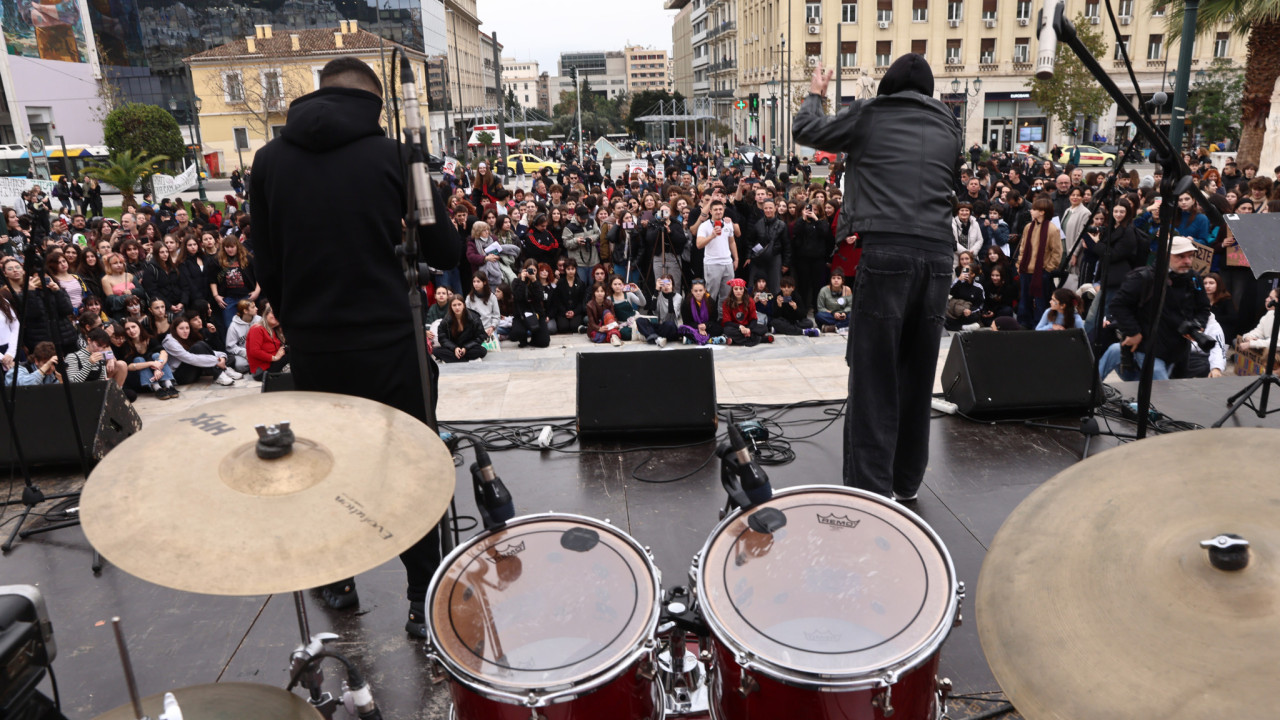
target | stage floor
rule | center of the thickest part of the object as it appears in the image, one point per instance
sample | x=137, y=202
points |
x=978, y=473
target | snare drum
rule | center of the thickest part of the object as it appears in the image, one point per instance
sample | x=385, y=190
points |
x=551, y=616
x=841, y=613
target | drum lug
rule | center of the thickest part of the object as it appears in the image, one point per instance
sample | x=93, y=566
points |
x=959, y=604
x=435, y=671
x=884, y=702
x=944, y=692
x=647, y=670
x=747, y=685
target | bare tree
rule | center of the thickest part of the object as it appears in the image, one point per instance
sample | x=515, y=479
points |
x=110, y=97
x=263, y=93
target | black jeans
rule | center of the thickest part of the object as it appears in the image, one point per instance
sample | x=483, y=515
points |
x=529, y=332
x=896, y=325
x=186, y=374
x=396, y=383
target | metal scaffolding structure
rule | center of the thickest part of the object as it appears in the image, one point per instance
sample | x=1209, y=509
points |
x=660, y=120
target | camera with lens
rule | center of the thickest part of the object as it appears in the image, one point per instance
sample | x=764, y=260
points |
x=1127, y=363
x=1195, y=331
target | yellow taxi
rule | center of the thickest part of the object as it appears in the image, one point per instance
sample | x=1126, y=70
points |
x=1089, y=155
x=532, y=163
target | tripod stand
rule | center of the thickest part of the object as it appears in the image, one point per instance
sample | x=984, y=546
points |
x=1255, y=235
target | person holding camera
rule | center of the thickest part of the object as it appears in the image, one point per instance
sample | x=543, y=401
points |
x=529, y=325
x=1184, y=316
x=786, y=316
x=42, y=370
x=1117, y=251
x=665, y=239
x=770, y=253
x=665, y=304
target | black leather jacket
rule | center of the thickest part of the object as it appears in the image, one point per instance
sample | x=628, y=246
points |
x=773, y=238
x=904, y=151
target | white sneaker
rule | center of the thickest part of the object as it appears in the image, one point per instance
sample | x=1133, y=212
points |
x=970, y=327
x=662, y=342
x=233, y=374
x=224, y=379
x=615, y=341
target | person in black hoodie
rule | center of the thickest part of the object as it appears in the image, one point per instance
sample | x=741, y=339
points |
x=460, y=336
x=331, y=178
x=898, y=197
x=812, y=246
x=529, y=324
x=770, y=250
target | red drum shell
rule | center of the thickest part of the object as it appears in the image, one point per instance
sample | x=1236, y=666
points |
x=629, y=697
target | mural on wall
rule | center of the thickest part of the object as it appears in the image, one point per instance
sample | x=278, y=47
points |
x=118, y=31
x=45, y=29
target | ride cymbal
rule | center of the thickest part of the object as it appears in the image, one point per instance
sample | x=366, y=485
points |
x=1098, y=600
x=188, y=503
x=225, y=701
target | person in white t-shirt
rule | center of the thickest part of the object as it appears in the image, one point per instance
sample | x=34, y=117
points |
x=717, y=238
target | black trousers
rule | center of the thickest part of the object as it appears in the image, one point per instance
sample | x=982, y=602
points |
x=811, y=275
x=187, y=374
x=894, y=333
x=396, y=383
x=529, y=332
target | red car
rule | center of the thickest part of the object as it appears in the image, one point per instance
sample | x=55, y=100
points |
x=822, y=157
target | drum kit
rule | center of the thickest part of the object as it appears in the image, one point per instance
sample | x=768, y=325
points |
x=1122, y=574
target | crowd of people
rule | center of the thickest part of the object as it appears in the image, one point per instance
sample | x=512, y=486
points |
x=153, y=301
x=700, y=247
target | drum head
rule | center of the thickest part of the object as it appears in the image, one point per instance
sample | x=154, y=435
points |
x=544, y=602
x=850, y=586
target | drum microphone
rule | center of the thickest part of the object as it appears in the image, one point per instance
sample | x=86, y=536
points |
x=416, y=138
x=741, y=474
x=493, y=500
x=1047, y=47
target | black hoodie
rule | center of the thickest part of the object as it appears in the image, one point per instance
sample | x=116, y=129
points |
x=328, y=197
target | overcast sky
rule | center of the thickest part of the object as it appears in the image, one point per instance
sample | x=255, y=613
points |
x=542, y=30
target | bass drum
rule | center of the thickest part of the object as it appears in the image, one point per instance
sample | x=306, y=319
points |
x=551, y=616
x=839, y=613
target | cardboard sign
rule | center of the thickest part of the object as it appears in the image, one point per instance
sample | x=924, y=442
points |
x=1202, y=260
x=1235, y=257
x=450, y=166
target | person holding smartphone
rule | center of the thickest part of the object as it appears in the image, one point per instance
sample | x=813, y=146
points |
x=529, y=324
x=665, y=240
x=666, y=304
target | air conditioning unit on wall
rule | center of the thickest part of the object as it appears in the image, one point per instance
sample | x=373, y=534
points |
x=954, y=23
x=884, y=24
x=1125, y=19
x=991, y=22
x=1094, y=20
x=1024, y=21
x=813, y=61
x=815, y=29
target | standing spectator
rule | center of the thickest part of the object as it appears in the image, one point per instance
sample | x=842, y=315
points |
x=771, y=253
x=665, y=239
x=717, y=238
x=812, y=244
x=1040, y=251
x=581, y=240
x=627, y=243
x=1118, y=251
x=967, y=232
x=232, y=278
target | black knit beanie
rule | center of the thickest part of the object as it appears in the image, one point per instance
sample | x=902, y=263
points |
x=909, y=72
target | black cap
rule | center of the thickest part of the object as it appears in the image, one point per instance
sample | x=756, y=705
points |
x=909, y=72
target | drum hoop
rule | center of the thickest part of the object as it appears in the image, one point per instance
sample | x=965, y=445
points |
x=842, y=681
x=556, y=693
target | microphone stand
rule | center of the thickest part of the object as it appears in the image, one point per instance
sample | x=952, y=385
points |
x=418, y=214
x=1176, y=181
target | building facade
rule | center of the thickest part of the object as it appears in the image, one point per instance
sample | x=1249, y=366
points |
x=521, y=78
x=778, y=44
x=646, y=69
x=488, y=71
x=243, y=88
x=604, y=72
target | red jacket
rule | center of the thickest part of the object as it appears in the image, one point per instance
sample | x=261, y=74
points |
x=745, y=315
x=260, y=347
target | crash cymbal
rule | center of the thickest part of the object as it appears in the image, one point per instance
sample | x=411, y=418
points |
x=187, y=503
x=225, y=701
x=1097, y=599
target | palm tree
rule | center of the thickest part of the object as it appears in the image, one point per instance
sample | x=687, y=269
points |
x=1260, y=20
x=124, y=170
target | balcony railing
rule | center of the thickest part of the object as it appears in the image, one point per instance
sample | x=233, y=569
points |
x=721, y=29
x=721, y=93
x=723, y=65
x=1021, y=66
x=1155, y=63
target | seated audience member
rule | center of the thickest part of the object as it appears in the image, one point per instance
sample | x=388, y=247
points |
x=438, y=308
x=1259, y=338
x=461, y=335
x=547, y=284
x=965, y=301
x=701, y=323
x=602, y=324
x=1213, y=363
x=666, y=305
x=42, y=370
x=568, y=298
x=191, y=357
x=785, y=314
x=1006, y=323
x=742, y=326
x=96, y=361
x=529, y=323
x=265, y=347
x=147, y=361
x=484, y=301
x=834, y=303
x=158, y=320
x=627, y=302
x=1062, y=313
x=999, y=294
x=1224, y=307
x=506, y=308
x=238, y=334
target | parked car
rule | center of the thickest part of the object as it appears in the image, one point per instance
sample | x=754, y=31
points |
x=822, y=157
x=749, y=152
x=532, y=164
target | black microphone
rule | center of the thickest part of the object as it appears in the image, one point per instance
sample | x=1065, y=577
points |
x=744, y=468
x=1047, y=46
x=415, y=136
x=493, y=500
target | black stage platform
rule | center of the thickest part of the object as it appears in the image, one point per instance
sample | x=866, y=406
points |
x=978, y=473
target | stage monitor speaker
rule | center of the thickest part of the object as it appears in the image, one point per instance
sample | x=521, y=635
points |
x=44, y=423
x=1021, y=374
x=647, y=393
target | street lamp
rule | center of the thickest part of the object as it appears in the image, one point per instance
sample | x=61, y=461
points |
x=964, y=99
x=193, y=133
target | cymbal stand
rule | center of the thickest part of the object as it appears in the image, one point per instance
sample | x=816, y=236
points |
x=171, y=709
x=312, y=645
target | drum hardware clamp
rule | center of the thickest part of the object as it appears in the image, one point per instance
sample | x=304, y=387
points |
x=944, y=692
x=884, y=701
x=747, y=684
x=959, y=603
